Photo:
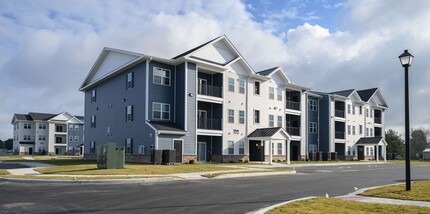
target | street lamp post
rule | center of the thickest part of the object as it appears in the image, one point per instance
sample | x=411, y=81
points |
x=406, y=61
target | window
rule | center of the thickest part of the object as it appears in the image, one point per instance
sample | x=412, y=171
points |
x=230, y=116
x=27, y=137
x=257, y=88
x=313, y=148
x=279, y=149
x=76, y=127
x=360, y=110
x=313, y=128
x=241, y=117
x=161, y=111
x=129, y=146
x=349, y=150
x=371, y=151
x=279, y=121
x=371, y=132
x=70, y=138
x=93, y=96
x=92, y=147
x=273, y=148
x=130, y=80
x=271, y=93
x=76, y=138
x=367, y=112
x=42, y=126
x=129, y=113
x=230, y=145
x=58, y=140
x=241, y=86
x=256, y=116
x=70, y=127
x=353, y=130
x=279, y=94
x=42, y=137
x=27, y=126
x=353, y=109
x=93, y=121
x=141, y=149
x=241, y=148
x=371, y=113
x=349, y=108
x=312, y=105
x=367, y=151
x=161, y=76
x=361, y=129
x=231, y=84
x=271, y=120
x=353, y=150
x=349, y=129
x=367, y=132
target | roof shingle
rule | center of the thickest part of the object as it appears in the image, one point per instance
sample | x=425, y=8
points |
x=369, y=140
x=264, y=132
x=366, y=94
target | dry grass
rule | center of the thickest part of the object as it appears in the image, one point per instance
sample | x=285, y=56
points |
x=244, y=172
x=4, y=172
x=335, y=205
x=419, y=191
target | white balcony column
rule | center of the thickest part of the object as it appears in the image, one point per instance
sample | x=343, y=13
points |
x=377, y=153
x=270, y=151
x=288, y=152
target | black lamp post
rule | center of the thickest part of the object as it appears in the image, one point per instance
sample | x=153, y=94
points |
x=406, y=61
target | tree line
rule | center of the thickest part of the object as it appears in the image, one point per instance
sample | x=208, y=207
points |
x=419, y=140
x=7, y=144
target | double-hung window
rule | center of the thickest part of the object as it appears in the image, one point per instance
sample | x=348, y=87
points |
x=93, y=121
x=70, y=138
x=129, y=146
x=93, y=96
x=256, y=116
x=279, y=149
x=130, y=80
x=92, y=147
x=230, y=147
x=241, y=86
x=257, y=88
x=161, y=76
x=241, y=117
x=241, y=148
x=312, y=105
x=230, y=84
x=353, y=130
x=349, y=108
x=76, y=127
x=349, y=129
x=161, y=111
x=353, y=109
x=271, y=120
x=76, y=138
x=230, y=116
x=129, y=113
x=313, y=128
x=271, y=93
x=279, y=94
x=279, y=121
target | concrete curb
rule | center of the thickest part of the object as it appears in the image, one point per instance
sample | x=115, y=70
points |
x=254, y=174
x=132, y=180
x=264, y=210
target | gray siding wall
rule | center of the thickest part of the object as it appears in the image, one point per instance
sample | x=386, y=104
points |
x=190, y=139
x=313, y=117
x=80, y=133
x=324, y=126
x=180, y=95
x=110, y=111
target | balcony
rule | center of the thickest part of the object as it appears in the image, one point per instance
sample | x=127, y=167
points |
x=210, y=124
x=292, y=105
x=378, y=120
x=339, y=135
x=339, y=113
x=293, y=130
x=209, y=90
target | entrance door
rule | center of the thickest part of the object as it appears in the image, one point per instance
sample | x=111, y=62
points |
x=201, y=151
x=30, y=150
x=360, y=152
x=256, y=151
x=294, y=153
x=177, y=145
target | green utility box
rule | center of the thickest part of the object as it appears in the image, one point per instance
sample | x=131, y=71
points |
x=109, y=156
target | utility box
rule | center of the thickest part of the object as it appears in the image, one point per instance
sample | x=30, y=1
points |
x=333, y=156
x=109, y=156
x=169, y=157
x=156, y=156
x=326, y=156
x=426, y=155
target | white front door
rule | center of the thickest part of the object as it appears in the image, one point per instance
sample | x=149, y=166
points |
x=201, y=151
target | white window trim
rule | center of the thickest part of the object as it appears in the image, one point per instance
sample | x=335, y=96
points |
x=240, y=87
x=259, y=116
x=271, y=93
x=161, y=111
x=230, y=142
x=162, y=77
x=230, y=116
x=243, y=117
x=259, y=88
x=230, y=85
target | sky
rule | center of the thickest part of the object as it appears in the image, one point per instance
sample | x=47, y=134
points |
x=48, y=47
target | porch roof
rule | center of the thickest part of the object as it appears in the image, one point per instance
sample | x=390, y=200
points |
x=276, y=133
x=366, y=141
x=167, y=128
x=26, y=142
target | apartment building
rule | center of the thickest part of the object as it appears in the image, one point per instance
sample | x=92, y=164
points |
x=352, y=124
x=42, y=134
x=207, y=103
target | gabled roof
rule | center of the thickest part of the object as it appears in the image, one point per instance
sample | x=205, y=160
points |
x=41, y=116
x=195, y=49
x=81, y=118
x=35, y=116
x=369, y=140
x=344, y=93
x=269, y=133
x=366, y=94
x=267, y=72
x=23, y=117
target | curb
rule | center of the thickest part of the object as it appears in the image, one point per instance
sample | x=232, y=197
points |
x=256, y=174
x=264, y=210
x=133, y=180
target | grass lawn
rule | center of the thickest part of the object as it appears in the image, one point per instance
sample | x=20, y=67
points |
x=321, y=162
x=412, y=162
x=76, y=178
x=84, y=167
x=419, y=191
x=335, y=205
x=4, y=172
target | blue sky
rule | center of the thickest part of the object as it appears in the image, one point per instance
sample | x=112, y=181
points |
x=47, y=47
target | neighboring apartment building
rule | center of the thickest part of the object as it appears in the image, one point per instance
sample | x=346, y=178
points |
x=207, y=103
x=42, y=133
x=352, y=124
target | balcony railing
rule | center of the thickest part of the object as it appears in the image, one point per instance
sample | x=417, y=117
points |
x=339, y=113
x=209, y=90
x=293, y=130
x=60, y=142
x=378, y=120
x=293, y=105
x=339, y=135
x=211, y=124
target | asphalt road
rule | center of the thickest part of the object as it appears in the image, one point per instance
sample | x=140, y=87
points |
x=237, y=195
